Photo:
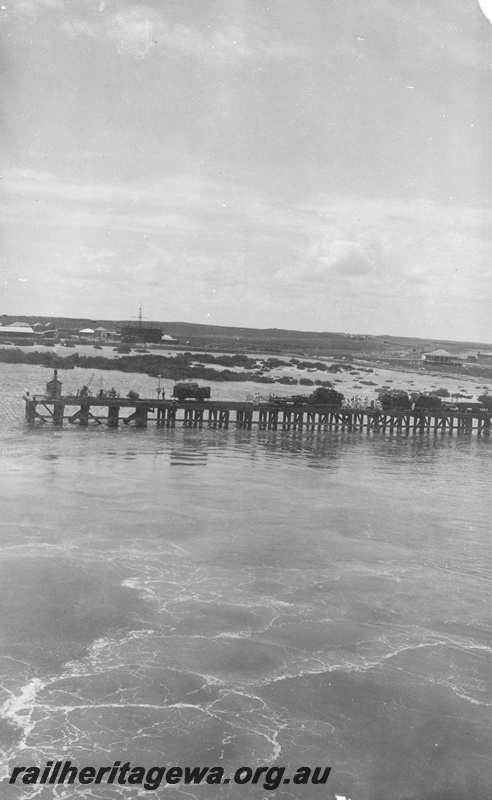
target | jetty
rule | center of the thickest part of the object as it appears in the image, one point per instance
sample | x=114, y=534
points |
x=274, y=415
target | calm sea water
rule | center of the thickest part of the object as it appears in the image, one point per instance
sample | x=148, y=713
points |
x=210, y=597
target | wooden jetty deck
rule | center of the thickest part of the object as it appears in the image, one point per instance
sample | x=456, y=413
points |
x=272, y=416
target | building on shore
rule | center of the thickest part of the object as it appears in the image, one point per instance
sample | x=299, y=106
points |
x=484, y=358
x=67, y=333
x=104, y=333
x=141, y=333
x=19, y=330
x=440, y=357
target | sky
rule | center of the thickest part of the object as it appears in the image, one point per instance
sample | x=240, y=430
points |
x=307, y=164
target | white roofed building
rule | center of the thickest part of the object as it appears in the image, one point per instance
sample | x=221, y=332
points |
x=440, y=357
x=16, y=332
x=102, y=333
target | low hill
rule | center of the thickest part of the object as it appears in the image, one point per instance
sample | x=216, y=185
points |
x=273, y=340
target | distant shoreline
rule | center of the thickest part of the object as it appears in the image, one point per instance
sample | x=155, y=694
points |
x=181, y=366
x=300, y=376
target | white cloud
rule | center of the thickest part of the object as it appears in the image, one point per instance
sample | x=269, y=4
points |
x=176, y=202
x=344, y=257
x=138, y=29
x=30, y=9
x=393, y=252
x=133, y=32
x=351, y=251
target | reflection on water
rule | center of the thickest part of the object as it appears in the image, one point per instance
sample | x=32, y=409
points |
x=190, y=452
x=305, y=599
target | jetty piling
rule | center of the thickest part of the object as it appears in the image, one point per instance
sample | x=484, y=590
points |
x=270, y=416
x=276, y=414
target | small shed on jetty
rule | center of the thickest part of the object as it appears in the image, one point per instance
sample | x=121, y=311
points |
x=54, y=387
